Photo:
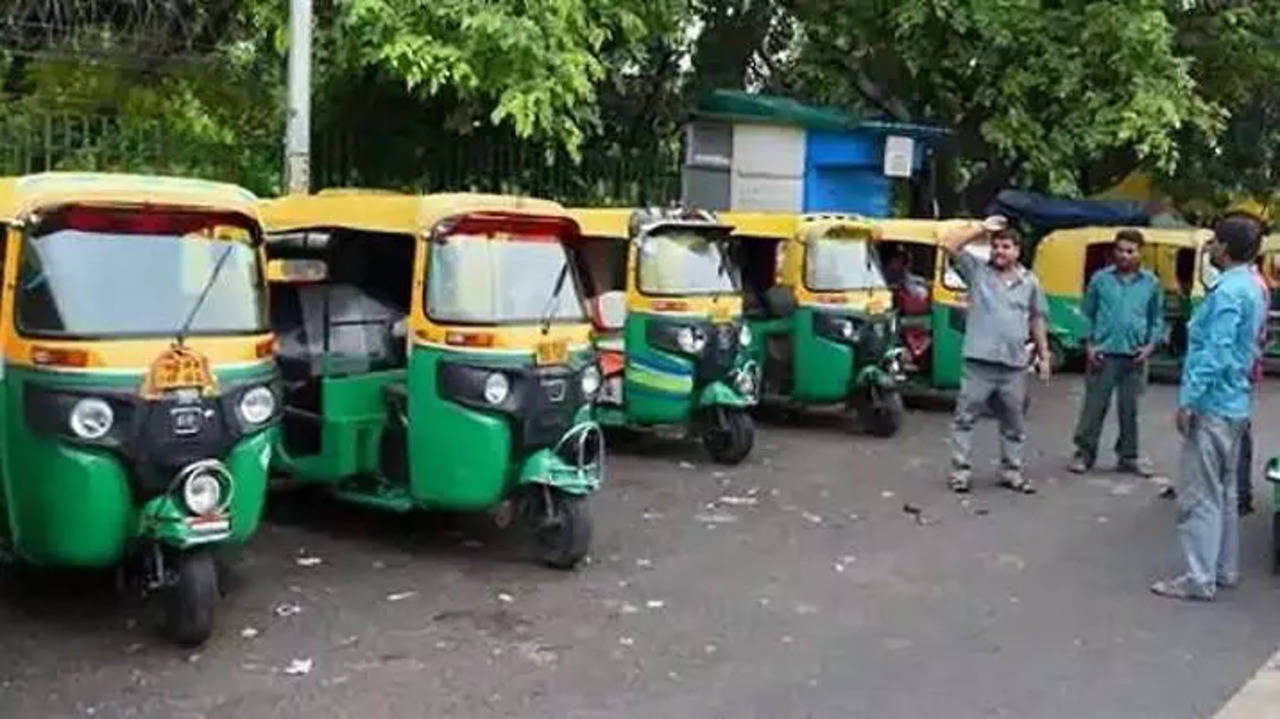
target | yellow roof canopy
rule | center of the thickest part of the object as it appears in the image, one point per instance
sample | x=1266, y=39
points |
x=377, y=211
x=22, y=195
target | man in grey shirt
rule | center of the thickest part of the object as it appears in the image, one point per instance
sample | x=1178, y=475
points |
x=1006, y=307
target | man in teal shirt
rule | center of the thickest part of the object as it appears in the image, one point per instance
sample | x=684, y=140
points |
x=1214, y=405
x=1124, y=312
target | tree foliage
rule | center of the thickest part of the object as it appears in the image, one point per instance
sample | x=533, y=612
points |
x=1036, y=92
x=1063, y=95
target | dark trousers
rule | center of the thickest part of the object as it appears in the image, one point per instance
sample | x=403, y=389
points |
x=1244, y=476
x=1118, y=374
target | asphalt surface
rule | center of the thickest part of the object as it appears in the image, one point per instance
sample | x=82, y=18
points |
x=832, y=575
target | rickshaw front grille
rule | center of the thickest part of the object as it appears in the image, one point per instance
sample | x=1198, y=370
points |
x=554, y=397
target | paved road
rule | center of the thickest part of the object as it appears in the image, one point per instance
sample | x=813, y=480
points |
x=823, y=598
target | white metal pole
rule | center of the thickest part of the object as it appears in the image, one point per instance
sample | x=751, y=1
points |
x=297, y=140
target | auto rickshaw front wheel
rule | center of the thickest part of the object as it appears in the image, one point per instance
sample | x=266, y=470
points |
x=561, y=526
x=881, y=411
x=728, y=434
x=189, y=602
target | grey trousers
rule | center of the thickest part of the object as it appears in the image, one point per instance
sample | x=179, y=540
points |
x=1002, y=389
x=1207, y=513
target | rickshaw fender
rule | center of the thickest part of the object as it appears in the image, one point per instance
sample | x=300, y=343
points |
x=721, y=394
x=546, y=467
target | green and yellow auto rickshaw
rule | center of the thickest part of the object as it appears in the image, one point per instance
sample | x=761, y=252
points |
x=931, y=301
x=436, y=354
x=1066, y=260
x=140, y=392
x=669, y=326
x=820, y=315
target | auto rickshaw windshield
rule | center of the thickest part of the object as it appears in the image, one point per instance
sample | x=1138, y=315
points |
x=96, y=284
x=481, y=279
x=685, y=263
x=834, y=265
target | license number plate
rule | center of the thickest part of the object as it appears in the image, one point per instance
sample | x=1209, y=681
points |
x=552, y=353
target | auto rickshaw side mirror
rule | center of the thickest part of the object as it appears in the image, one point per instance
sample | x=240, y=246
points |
x=297, y=271
x=780, y=301
x=1273, y=470
x=609, y=311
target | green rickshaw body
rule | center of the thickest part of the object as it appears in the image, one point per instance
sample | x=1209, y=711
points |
x=669, y=327
x=418, y=431
x=108, y=520
x=947, y=320
x=662, y=387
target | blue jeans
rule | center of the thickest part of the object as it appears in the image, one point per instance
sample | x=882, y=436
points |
x=1207, y=514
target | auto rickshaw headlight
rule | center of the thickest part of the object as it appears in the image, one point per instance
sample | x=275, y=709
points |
x=691, y=340
x=91, y=418
x=590, y=381
x=744, y=336
x=496, y=388
x=257, y=405
x=202, y=493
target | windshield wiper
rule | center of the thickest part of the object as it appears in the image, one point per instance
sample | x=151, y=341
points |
x=204, y=294
x=550, y=306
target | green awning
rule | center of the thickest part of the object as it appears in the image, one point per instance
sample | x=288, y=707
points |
x=740, y=106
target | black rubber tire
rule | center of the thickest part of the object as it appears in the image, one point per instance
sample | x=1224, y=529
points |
x=189, y=604
x=729, y=435
x=564, y=539
x=883, y=413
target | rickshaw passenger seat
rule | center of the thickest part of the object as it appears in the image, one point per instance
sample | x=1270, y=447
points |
x=360, y=330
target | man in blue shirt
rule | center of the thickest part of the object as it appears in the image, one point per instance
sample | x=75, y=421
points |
x=1124, y=312
x=1214, y=405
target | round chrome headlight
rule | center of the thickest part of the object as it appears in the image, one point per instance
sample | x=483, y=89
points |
x=846, y=329
x=691, y=340
x=496, y=388
x=202, y=493
x=257, y=405
x=744, y=336
x=590, y=381
x=91, y=418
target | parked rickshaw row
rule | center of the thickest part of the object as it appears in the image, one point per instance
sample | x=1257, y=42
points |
x=173, y=346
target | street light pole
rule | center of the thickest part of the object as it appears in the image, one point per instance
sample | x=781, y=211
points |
x=297, y=139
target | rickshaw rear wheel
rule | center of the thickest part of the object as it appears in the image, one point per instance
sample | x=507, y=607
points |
x=728, y=434
x=190, y=601
x=561, y=527
x=882, y=412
